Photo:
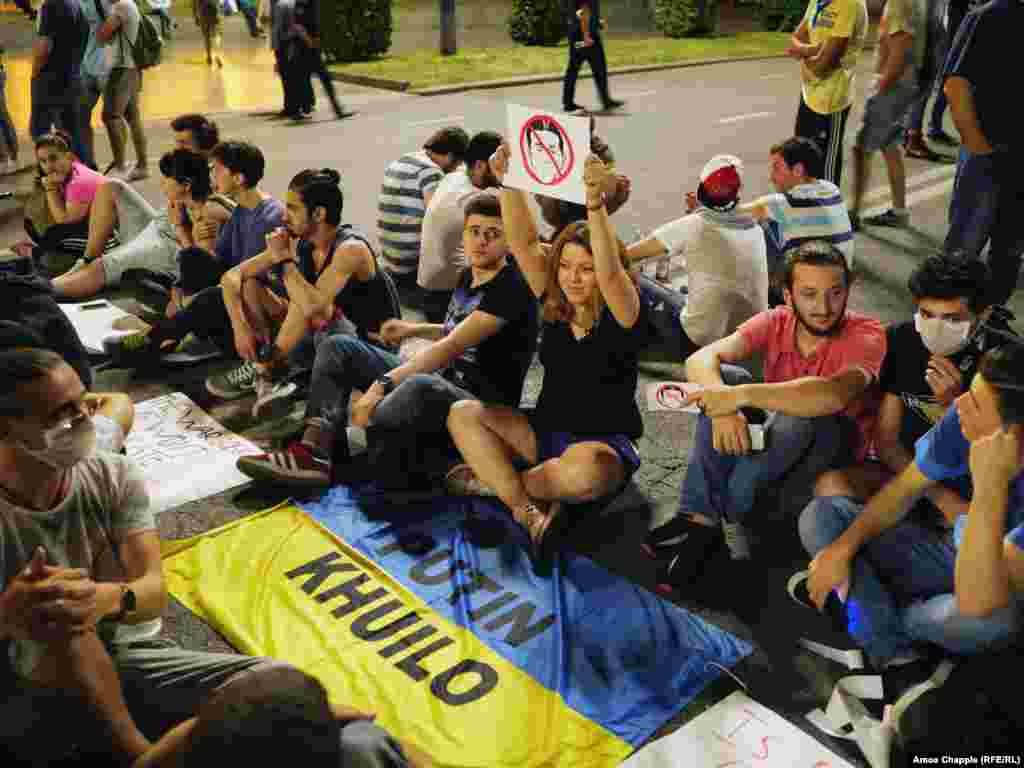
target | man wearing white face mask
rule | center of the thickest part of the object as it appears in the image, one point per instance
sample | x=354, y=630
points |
x=929, y=362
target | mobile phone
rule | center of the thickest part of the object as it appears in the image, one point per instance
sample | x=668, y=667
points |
x=756, y=437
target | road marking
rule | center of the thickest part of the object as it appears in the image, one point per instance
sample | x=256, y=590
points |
x=936, y=178
x=449, y=119
x=749, y=116
x=914, y=198
x=638, y=94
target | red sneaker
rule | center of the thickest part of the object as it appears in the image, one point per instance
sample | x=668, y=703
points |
x=297, y=466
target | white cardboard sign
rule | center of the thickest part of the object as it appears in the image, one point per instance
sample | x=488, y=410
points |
x=669, y=395
x=737, y=733
x=548, y=151
x=94, y=321
x=184, y=454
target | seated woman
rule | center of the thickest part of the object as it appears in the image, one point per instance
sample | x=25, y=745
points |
x=57, y=216
x=578, y=441
x=152, y=239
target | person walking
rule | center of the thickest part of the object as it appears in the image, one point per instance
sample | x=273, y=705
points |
x=120, y=32
x=585, y=44
x=207, y=14
x=308, y=57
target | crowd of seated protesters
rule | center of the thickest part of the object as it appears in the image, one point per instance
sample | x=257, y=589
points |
x=909, y=437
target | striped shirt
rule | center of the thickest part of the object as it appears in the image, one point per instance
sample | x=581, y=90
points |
x=401, y=209
x=812, y=211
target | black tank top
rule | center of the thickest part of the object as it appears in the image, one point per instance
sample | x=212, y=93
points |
x=367, y=304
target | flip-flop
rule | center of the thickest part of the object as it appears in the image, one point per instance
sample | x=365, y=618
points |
x=544, y=537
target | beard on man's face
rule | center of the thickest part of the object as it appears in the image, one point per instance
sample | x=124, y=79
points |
x=814, y=330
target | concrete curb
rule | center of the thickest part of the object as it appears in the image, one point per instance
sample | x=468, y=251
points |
x=553, y=77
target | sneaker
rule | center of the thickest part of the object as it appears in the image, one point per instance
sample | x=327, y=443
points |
x=344, y=112
x=137, y=173
x=298, y=466
x=131, y=350
x=462, y=481
x=736, y=540
x=686, y=561
x=889, y=219
x=855, y=223
x=612, y=104
x=270, y=395
x=233, y=384
x=573, y=109
x=941, y=137
x=922, y=151
x=663, y=540
x=835, y=609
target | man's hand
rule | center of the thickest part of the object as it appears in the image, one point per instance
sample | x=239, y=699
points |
x=345, y=715
x=246, y=343
x=45, y=602
x=595, y=177
x=995, y=459
x=392, y=332
x=498, y=162
x=52, y=182
x=731, y=435
x=944, y=379
x=829, y=570
x=363, y=410
x=716, y=401
x=206, y=230
x=950, y=503
x=281, y=245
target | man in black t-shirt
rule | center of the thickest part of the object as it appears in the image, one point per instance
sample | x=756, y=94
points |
x=481, y=351
x=929, y=362
x=988, y=200
x=56, y=72
x=584, y=21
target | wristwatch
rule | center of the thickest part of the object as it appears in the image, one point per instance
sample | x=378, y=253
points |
x=386, y=383
x=127, y=603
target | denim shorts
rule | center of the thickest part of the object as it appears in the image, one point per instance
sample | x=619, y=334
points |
x=552, y=443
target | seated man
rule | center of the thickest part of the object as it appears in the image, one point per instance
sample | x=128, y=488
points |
x=929, y=362
x=409, y=186
x=725, y=261
x=441, y=256
x=113, y=413
x=805, y=206
x=318, y=277
x=904, y=585
x=819, y=361
x=82, y=590
x=149, y=240
x=277, y=713
x=481, y=352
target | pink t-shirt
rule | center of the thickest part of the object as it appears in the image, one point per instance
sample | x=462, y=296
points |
x=83, y=184
x=859, y=344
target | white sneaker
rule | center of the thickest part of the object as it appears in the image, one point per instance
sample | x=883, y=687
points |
x=269, y=393
x=736, y=540
x=137, y=173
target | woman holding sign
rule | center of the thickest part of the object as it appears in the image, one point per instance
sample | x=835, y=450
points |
x=594, y=326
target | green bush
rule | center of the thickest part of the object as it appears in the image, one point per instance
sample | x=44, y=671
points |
x=682, y=18
x=355, y=30
x=782, y=15
x=537, y=22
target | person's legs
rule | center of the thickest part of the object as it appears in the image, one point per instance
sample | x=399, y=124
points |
x=70, y=119
x=874, y=619
x=1007, y=235
x=572, y=72
x=897, y=177
x=320, y=69
x=134, y=119
x=974, y=205
x=8, y=135
x=859, y=481
x=599, y=66
x=91, y=91
x=366, y=745
x=115, y=103
x=664, y=309
x=861, y=179
x=198, y=270
x=834, y=146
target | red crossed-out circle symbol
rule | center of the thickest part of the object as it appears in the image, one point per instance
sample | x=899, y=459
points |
x=548, y=154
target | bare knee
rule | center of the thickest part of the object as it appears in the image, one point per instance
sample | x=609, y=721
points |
x=465, y=413
x=590, y=476
x=833, y=483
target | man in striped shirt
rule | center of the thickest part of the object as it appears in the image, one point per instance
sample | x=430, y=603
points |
x=805, y=207
x=409, y=184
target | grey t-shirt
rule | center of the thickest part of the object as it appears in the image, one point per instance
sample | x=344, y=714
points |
x=107, y=499
x=127, y=35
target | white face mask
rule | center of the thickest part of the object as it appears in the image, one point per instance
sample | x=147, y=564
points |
x=67, y=443
x=942, y=337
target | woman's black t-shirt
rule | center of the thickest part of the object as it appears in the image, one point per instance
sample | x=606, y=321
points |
x=590, y=383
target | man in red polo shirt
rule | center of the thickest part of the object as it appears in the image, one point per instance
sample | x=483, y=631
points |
x=820, y=362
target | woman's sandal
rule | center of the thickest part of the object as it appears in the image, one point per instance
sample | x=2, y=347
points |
x=539, y=526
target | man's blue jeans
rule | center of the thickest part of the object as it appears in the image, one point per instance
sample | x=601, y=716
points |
x=902, y=588
x=987, y=206
x=664, y=308
x=343, y=363
x=717, y=484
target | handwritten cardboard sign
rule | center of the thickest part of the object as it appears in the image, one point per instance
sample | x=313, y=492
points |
x=548, y=151
x=184, y=454
x=669, y=396
x=737, y=733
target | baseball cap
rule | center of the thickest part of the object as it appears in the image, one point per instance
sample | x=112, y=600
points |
x=720, y=182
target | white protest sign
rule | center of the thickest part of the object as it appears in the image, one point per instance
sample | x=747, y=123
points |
x=183, y=453
x=737, y=733
x=94, y=321
x=547, y=151
x=669, y=395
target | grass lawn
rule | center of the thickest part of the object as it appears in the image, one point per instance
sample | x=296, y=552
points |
x=427, y=68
